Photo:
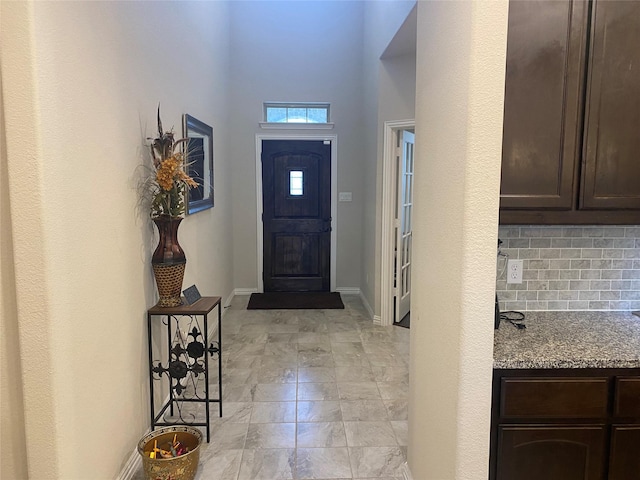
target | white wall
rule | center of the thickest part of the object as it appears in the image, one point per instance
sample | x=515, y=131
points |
x=460, y=85
x=14, y=462
x=305, y=52
x=397, y=88
x=396, y=101
x=389, y=90
x=81, y=83
x=320, y=51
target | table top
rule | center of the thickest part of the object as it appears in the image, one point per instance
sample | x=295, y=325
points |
x=203, y=306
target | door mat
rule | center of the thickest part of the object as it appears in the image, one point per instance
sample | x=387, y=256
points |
x=295, y=300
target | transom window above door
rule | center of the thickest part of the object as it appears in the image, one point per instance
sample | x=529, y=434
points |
x=296, y=115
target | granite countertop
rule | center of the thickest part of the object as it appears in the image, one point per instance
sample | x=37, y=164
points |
x=569, y=340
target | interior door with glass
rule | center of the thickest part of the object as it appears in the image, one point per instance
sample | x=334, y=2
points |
x=404, y=229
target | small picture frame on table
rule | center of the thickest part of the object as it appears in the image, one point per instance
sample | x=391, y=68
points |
x=191, y=295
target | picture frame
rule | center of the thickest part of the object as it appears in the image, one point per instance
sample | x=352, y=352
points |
x=199, y=163
x=191, y=295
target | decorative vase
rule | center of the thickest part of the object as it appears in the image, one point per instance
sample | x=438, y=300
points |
x=168, y=261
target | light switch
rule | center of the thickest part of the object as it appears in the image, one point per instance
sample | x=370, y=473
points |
x=344, y=197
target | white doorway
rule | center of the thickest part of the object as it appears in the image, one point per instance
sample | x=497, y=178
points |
x=397, y=220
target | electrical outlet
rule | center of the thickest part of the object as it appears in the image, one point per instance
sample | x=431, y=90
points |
x=514, y=271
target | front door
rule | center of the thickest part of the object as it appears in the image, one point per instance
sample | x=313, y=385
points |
x=296, y=219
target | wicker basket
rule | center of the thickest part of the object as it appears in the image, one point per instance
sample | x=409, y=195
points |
x=169, y=281
x=183, y=467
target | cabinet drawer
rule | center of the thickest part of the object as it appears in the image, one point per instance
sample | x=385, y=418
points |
x=554, y=397
x=627, y=397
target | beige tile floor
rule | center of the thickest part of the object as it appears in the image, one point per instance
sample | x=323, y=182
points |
x=308, y=394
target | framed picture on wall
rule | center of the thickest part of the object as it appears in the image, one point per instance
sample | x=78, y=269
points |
x=199, y=163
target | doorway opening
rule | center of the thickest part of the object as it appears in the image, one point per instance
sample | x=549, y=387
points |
x=296, y=227
x=397, y=220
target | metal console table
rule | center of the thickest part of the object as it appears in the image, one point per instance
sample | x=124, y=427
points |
x=188, y=362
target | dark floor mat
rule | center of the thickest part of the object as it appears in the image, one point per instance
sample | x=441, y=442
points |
x=295, y=300
x=405, y=322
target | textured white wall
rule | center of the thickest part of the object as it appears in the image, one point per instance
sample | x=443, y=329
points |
x=14, y=460
x=81, y=85
x=28, y=315
x=460, y=84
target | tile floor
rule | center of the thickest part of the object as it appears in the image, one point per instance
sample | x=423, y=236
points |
x=308, y=394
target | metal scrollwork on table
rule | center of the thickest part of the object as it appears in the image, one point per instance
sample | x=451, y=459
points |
x=186, y=364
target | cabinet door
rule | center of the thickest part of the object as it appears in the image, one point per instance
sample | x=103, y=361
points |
x=611, y=177
x=550, y=453
x=544, y=79
x=624, y=463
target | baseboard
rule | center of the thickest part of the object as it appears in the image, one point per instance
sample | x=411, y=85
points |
x=348, y=290
x=244, y=291
x=227, y=303
x=133, y=465
x=377, y=320
x=406, y=473
x=368, y=308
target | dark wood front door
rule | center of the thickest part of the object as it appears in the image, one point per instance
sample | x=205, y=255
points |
x=296, y=203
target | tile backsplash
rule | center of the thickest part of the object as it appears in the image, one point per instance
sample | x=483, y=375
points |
x=571, y=268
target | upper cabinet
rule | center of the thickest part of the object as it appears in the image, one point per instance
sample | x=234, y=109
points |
x=571, y=141
x=611, y=177
x=543, y=103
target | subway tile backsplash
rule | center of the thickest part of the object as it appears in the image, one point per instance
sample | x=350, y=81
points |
x=571, y=268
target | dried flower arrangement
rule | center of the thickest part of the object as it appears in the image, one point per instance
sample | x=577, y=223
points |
x=169, y=181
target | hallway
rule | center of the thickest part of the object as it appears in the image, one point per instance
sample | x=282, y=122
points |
x=308, y=394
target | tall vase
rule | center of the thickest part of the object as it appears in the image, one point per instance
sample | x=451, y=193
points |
x=168, y=261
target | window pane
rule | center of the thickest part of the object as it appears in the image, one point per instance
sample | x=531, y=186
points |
x=295, y=183
x=276, y=115
x=317, y=115
x=297, y=115
x=296, y=112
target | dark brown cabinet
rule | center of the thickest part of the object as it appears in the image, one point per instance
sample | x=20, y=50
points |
x=571, y=141
x=545, y=55
x=624, y=460
x=551, y=453
x=611, y=177
x=566, y=425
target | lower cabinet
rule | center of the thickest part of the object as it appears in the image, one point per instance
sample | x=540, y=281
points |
x=551, y=453
x=625, y=452
x=566, y=425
